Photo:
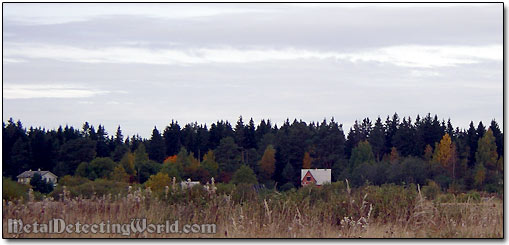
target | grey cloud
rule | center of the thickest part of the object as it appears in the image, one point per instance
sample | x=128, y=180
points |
x=326, y=28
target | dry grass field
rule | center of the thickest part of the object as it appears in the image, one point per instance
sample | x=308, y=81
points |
x=333, y=211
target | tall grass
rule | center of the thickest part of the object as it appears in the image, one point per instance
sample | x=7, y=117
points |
x=332, y=210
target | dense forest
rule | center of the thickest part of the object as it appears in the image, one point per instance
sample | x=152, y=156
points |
x=397, y=150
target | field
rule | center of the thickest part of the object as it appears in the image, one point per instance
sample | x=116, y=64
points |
x=331, y=211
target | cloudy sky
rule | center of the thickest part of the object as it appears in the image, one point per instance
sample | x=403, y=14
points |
x=142, y=65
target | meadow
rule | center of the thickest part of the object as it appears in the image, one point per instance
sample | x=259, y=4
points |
x=330, y=211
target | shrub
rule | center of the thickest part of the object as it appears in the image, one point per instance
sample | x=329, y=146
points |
x=431, y=190
x=223, y=188
x=446, y=198
x=98, y=187
x=158, y=182
x=244, y=192
x=390, y=200
x=288, y=186
x=12, y=190
x=334, y=187
x=69, y=180
x=472, y=196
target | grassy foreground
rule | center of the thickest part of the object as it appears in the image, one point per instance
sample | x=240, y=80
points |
x=332, y=211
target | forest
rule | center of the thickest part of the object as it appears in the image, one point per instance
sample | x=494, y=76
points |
x=397, y=150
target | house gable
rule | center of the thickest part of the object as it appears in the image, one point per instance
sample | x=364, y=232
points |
x=316, y=176
x=308, y=179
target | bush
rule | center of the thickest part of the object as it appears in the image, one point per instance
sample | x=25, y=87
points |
x=334, y=187
x=472, y=196
x=288, y=186
x=244, y=192
x=12, y=190
x=99, y=187
x=223, y=188
x=494, y=188
x=100, y=167
x=69, y=180
x=158, y=182
x=390, y=200
x=446, y=198
x=431, y=190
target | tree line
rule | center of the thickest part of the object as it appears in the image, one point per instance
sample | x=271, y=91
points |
x=397, y=150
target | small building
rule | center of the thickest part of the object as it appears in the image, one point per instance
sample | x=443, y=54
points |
x=25, y=177
x=188, y=184
x=315, y=176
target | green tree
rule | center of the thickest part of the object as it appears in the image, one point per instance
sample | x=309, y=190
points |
x=100, y=167
x=119, y=152
x=360, y=154
x=20, y=157
x=487, y=151
x=72, y=153
x=157, y=147
x=171, y=170
x=146, y=169
x=140, y=155
x=209, y=163
x=40, y=184
x=83, y=170
x=228, y=155
x=499, y=137
x=119, y=138
x=377, y=139
x=244, y=175
x=289, y=174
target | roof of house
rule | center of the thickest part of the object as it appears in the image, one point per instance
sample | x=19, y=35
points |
x=30, y=173
x=321, y=176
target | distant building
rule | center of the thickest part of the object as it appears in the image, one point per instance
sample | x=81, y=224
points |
x=315, y=176
x=188, y=184
x=25, y=177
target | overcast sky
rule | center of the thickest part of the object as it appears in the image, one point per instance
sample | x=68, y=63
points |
x=142, y=65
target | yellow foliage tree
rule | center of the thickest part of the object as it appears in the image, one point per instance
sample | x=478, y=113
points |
x=445, y=154
x=306, y=161
x=268, y=162
x=119, y=174
x=158, y=182
x=443, y=150
x=127, y=162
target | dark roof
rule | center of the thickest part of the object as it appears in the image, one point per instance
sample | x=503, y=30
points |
x=30, y=174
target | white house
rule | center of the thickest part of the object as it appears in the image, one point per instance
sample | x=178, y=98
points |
x=25, y=177
x=315, y=176
x=188, y=184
